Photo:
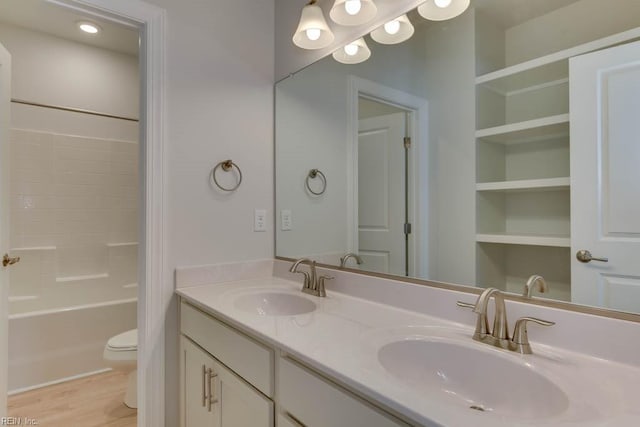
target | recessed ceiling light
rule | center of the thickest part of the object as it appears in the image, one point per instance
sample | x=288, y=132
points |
x=89, y=27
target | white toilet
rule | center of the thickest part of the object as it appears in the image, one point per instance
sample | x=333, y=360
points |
x=121, y=353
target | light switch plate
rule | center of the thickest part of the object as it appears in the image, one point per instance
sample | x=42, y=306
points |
x=286, y=220
x=260, y=220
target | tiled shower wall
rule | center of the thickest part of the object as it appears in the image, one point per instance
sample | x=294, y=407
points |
x=74, y=219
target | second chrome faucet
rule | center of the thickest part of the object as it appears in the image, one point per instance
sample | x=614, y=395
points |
x=498, y=336
x=312, y=285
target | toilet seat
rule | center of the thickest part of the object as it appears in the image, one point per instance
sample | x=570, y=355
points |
x=126, y=341
x=122, y=347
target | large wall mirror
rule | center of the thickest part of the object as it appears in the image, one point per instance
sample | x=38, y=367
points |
x=485, y=149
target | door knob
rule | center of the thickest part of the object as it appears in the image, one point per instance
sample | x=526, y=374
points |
x=585, y=256
x=7, y=260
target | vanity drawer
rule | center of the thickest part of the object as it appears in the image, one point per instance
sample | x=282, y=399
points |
x=316, y=402
x=247, y=358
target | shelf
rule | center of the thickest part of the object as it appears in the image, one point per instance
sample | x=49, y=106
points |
x=34, y=248
x=118, y=245
x=80, y=278
x=529, y=131
x=548, y=68
x=525, y=239
x=547, y=184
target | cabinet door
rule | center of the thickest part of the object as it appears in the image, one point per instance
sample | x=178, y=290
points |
x=238, y=403
x=195, y=384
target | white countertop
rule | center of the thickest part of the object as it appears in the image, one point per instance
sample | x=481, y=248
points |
x=341, y=338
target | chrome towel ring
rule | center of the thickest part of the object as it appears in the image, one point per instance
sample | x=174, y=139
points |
x=313, y=174
x=226, y=166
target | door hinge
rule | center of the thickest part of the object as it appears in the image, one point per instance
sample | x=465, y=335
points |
x=407, y=142
x=407, y=228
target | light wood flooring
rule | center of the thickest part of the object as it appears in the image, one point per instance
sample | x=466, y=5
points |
x=87, y=402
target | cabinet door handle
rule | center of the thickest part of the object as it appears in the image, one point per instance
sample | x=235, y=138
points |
x=204, y=381
x=211, y=400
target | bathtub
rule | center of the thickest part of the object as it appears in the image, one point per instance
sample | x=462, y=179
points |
x=55, y=345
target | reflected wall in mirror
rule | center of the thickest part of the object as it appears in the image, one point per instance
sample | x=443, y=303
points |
x=481, y=151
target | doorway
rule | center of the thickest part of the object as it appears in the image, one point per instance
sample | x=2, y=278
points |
x=388, y=131
x=73, y=194
x=152, y=289
x=383, y=153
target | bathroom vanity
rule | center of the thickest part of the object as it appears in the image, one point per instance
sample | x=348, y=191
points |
x=259, y=352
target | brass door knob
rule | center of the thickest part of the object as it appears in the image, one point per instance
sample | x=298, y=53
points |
x=7, y=260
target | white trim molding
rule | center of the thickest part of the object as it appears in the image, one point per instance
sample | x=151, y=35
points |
x=419, y=179
x=156, y=286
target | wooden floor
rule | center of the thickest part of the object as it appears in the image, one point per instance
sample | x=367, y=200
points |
x=87, y=402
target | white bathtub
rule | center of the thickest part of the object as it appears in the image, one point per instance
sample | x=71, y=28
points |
x=50, y=346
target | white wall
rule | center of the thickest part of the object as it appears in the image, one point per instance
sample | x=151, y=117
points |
x=40, y=59
x=578, y=23
x=220, y=74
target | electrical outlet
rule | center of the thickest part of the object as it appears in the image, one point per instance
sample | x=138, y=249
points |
x=286, y=220
x=260, y=220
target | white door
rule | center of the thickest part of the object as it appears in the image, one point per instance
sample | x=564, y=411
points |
x=5, y=99
x=381, y=193
x=605, y=177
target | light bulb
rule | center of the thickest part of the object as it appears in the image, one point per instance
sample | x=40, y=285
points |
x=351, y=49
x=392, y=27
x=313, y=34
x=89, y=27
x=352, y=7
x=442, y=3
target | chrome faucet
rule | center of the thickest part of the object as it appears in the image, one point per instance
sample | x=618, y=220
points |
x=312, y=285
x=531, y=284
x=499, y=335
x=343, y=260
x=500, y=332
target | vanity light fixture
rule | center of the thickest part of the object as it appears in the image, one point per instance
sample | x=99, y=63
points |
x=353, y=12
x=313, y=31
x=353, y=53
x=441, y=10
x=394, y=31
x=89, y=27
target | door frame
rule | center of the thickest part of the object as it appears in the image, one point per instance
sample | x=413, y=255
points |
x=418, y=201
x=155, y=289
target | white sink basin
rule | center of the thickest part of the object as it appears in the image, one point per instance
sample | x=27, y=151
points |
x=472, y=378
x=271, y=303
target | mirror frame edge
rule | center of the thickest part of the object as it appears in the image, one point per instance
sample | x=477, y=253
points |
x=543, y=302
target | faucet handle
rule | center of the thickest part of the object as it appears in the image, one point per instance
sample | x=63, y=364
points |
x=520, y=338
x=321, y=290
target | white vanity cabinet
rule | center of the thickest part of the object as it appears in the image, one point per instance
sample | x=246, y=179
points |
x=215, y=396
x=211, y=393
x=238, y=375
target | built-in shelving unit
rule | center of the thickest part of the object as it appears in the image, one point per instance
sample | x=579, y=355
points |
x=523, y=183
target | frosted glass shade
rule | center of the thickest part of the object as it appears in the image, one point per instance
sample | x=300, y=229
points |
x=340, y=15
x=312, y=23
x=404, y=32
x=431, y=11
x=353, y=53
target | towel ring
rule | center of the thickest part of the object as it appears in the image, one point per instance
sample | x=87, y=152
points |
x=226, y=166
x=313, y=174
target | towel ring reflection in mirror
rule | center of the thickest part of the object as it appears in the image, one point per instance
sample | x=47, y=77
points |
x=313, y=174
x=226, y=165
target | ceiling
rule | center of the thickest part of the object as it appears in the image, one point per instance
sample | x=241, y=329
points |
x=38, y=15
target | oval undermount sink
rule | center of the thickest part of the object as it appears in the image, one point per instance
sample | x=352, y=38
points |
x=472, y=378
x=274, y=304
